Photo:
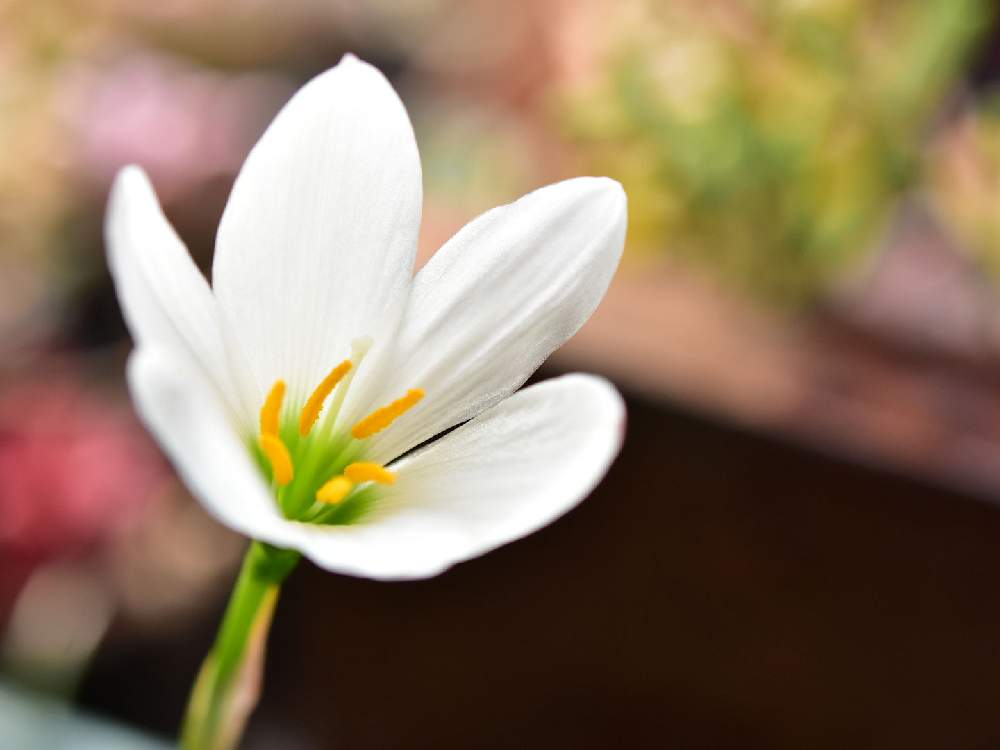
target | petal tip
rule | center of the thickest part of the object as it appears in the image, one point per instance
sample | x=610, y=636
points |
x=597, y=191
x=352, y=65
x=131, y=184
x=128, y=177
x=612, y=189
x=349, y=58
x=129, y=172
x=604, y=396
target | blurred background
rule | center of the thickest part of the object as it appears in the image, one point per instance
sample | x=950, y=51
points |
x=800, y=544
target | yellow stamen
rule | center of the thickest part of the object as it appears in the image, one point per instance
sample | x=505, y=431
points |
x=364, y=471
x=280, y=458
x=379, y=419
x=314, y=405
x=271, y=409
x=335, y=490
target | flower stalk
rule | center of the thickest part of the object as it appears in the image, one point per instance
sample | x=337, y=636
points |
x=228, y=685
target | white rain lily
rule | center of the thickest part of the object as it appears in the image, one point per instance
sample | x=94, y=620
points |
x=291, y=393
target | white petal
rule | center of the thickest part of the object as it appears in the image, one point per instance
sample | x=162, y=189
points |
x=187, y=419
x=497, y=299
x=316, y=244
x=510, y=471
x=165, y=299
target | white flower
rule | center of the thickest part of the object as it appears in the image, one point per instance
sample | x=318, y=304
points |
x=314, y=309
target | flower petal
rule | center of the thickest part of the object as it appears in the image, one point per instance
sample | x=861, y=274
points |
x=186, y=418
x=165, y=299
x=505, y=474
x=497, y=299
x=316, y=244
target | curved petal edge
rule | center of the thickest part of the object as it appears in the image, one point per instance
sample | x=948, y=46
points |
x=498, y=298
x=512, y=470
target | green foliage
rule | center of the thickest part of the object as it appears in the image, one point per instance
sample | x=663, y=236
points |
x=771, y=141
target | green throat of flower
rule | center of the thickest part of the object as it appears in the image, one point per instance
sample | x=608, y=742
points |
x=319, y=474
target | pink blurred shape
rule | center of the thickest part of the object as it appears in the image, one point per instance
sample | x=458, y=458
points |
x=182, y=123
x=75, y=468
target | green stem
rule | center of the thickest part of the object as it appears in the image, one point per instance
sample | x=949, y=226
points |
x=228, y=684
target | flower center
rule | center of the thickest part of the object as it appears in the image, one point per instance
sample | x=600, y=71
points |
x=318, y=473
